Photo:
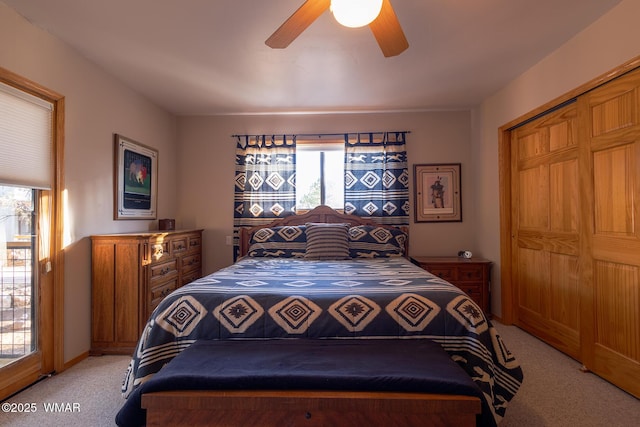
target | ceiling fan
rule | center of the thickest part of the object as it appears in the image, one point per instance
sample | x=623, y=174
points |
x=385, y=27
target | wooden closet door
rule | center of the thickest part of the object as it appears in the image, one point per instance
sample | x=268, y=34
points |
x=610, y=164
x=545, y=228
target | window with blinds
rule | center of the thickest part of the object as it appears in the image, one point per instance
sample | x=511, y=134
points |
x=26, y=129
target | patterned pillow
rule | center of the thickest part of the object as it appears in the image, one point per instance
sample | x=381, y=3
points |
x=369, y=241
x=327, y=241
x=287, y=241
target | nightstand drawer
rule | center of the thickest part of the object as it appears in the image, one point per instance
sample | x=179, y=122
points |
x=472, y=275
x=470, y=288
x=443, y=272
x=470, y=272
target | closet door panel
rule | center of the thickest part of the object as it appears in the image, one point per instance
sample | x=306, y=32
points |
x=614, y=108
x=546, y=196
x=617, y=308
x=534, y=198
x=613, y=187
x=563, y=196
x=611, y=292
x=534, y=271
x=564, y=292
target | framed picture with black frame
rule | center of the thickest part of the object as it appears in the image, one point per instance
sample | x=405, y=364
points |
x=135, y=179
x=437, y=193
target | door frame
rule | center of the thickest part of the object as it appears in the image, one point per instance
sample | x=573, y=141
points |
x=50, y=325
x=504, y=171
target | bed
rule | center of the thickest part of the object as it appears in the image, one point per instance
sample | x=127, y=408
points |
x=299, y=279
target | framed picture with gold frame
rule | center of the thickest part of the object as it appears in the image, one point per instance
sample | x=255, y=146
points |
x=437, y=194
x=135, y=180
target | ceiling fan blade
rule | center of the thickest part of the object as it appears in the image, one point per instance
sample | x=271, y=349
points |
x=388, y=32
x=297, y=23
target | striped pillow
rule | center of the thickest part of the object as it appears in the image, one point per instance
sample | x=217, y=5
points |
x=327, y=241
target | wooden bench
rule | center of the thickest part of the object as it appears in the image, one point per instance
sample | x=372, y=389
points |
x=312, y=383
x=308, y=408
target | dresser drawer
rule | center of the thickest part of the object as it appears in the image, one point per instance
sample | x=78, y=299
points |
x=159, y=251
x=194, y=243
x=190, y=277
x=164, y=270
x=191, y=262
x=178, y=245
x=158, y=292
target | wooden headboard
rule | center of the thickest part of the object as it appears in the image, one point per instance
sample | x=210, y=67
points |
x=321, y=213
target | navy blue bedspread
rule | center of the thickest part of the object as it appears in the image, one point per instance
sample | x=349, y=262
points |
x=383, y=298
x=353, y=365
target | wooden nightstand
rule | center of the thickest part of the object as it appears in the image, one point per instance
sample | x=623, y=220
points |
x=472, y=275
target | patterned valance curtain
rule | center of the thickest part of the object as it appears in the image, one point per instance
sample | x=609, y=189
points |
x=265, y=180
x=376, y=177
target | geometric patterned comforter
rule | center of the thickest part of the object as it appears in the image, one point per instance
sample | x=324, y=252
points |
x=350, y=299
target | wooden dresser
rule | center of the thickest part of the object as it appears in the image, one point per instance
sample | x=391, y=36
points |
x=472, y=275
x=130, y=274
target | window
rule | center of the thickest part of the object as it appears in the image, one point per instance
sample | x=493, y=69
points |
x=26, y=141
x=18, y=287
x=31, y=141
x=319, y=175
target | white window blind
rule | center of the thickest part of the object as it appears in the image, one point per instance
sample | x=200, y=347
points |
x=25, y=139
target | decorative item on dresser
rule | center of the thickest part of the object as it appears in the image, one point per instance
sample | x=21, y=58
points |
x=130, y=274
x=472, y=275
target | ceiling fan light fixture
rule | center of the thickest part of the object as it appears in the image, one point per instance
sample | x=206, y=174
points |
x=355, y=13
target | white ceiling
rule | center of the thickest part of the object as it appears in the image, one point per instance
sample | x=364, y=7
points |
x=209, y=56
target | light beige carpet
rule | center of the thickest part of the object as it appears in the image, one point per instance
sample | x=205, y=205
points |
x=555, y=392
x=93, y=385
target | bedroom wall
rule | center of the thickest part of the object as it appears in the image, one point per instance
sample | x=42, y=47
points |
x=97, y=105
x=607, y=43
x=207, y=161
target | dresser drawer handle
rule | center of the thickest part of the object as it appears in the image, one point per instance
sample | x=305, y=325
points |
x=165, y=271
